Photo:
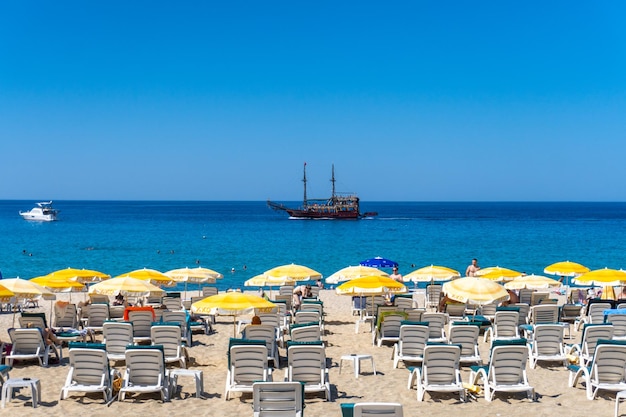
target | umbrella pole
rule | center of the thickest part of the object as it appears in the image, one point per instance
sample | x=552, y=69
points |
x=234, y=325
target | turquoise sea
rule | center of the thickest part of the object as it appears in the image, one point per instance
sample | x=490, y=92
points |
x=119, y=236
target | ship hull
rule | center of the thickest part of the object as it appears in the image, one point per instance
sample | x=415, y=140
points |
x=309, y=214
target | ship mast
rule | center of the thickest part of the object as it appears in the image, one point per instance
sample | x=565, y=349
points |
x=304, y=204
x=333, y=181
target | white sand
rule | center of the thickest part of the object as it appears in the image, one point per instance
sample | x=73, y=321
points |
x=209, y=355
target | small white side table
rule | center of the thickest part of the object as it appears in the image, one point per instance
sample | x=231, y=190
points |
x=197, y=374
x=32, y=383
x=356, y=362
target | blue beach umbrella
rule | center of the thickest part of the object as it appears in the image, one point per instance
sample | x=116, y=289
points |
x=379, y=262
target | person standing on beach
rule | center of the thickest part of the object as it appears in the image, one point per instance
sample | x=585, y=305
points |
x=395, y=275
x=472, y=268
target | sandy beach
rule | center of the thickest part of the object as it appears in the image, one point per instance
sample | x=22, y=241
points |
x=208, y=354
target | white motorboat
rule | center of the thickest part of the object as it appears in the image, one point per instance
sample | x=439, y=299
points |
x=44, y=212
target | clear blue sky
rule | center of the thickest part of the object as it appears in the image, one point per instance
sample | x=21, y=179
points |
x=412, y=101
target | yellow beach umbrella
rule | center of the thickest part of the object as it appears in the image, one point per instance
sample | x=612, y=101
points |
x=566, y=269
x=6, y=294
x=26, y=289
x=152, y=275
x=231, y=304
x=23, y=288
x=197, y=275
x=58, y=284
x=266, y=281
x=352, y=272
x=473, y=290
x=532, y=282
x=371, y=285
x=127, y=286
x=432, y=273
x=602, y=277
x=294, y=272
x=263, y=280
x=498, y=273
x=79, y=275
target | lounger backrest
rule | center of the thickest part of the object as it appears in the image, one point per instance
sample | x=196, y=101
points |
x=596, y=312
x=310, y=333
x=548, y=339
x=506, y=324
x=466, y=337
x=145, y=365
x=378, y=410
x=307, y=317
x=541, y=314
x=99, y=299
x=433, y=294
x=413, y=339
x=167, y=336
x=508, y=364
x=456, y=310
x=179, y=317
x=173, y=303
x=248, y=363
x=414, y=314
x=209, y=291
x=525, y=296
x=265, y=332
x=35, y=322
x=609, y=362
x=66, y=316
x=390, y=325
x=372, y=303
x=319, y=308
x=117, y=335
x=591, y=335
x=403, y=302
x=98, y=314
x=315, y=291
x=524, y=311
x=286, y=290
x=619, y=324
x=488, y=310
x=277, y=399
x=271, y=319
x=91, y=366
x=307, y=363
x=570, y=311
x=441, y=363
x=142, y=322
x=26, y=341
x=436, y=323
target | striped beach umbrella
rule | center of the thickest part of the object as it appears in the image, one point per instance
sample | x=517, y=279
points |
x=534, y=282
x=352, y=272
x=432, y=273
x=79, y=275
x=231, y=304
x=293, y=272
x=498, y=273
x=127, y=286
x=152, y=275
x=473, y=290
